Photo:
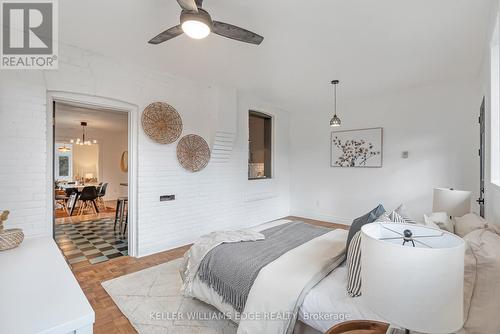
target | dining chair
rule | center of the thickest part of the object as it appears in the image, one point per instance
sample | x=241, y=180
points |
x=121, y=215
x=100, y=195
x=87, y=199
x=61, y=199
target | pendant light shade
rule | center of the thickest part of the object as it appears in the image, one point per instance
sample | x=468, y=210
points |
x=335, y=121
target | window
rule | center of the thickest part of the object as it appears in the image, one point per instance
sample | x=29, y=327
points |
x=259, y=145
x=63, y=162
x=495, y=107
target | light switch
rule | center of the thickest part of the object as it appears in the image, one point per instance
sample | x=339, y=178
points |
x=166, y=198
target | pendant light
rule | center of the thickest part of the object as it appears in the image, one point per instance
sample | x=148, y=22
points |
x=84, y=140
x=335, y=121
x=64, y=149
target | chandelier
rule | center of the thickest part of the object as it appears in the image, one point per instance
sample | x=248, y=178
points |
x=84, y=140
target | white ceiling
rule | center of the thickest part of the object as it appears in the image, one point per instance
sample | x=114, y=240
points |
x=68, y=117
x=371, y=46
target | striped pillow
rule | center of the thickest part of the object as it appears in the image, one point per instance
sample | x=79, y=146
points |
x=384, y=218
x=403, y=213
x=396, y=217
x=353, y=264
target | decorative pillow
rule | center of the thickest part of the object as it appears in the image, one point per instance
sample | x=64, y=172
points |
x=403, y=213
x=468, y=223
x=356, y=225
x=384, y=218
x=482, y=314
x=353, y=264
x=494, y=228
x=442, y=220
x=396, y=217
x=353, y=261
x=430, y=223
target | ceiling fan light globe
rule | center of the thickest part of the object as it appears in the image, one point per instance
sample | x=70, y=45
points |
x=196, y=29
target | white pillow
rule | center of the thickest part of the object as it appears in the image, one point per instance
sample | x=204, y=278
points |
x=468, y=223
x=440, y=219
x=482, y=274
x=430, y=223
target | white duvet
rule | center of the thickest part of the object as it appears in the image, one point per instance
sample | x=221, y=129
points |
x=281, y=286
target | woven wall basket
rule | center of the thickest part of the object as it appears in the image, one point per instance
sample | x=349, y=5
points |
x=124, y=162
x=193, y=153
x=11, y=238
x=162, y=123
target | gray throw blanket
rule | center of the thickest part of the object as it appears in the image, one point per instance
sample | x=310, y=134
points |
x=231, y=269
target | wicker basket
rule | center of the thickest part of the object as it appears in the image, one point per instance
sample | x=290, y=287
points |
x=11, y=238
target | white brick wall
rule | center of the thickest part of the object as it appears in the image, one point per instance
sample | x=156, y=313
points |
x=218, y=197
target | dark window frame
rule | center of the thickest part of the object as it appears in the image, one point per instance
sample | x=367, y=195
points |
x=268, y=144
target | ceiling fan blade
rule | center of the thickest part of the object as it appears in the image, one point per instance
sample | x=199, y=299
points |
x=166, y=35
x=236, y=33
x=189, y=5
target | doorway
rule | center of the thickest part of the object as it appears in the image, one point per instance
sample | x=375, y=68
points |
x=93, y=146
x=482, y=158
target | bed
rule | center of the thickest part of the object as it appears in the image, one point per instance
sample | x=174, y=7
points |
x=291, y=277
x=328, y=303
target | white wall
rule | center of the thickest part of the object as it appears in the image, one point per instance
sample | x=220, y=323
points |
x=492, y=192
x=111, y=147
x=437, y=124
x=85, y=160
x=218, y=197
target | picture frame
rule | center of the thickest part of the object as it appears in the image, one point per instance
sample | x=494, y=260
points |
x=357, y=148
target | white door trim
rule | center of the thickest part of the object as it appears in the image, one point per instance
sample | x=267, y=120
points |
x=85, y=100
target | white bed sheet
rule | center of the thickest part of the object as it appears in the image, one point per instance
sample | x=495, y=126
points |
x=328, y=303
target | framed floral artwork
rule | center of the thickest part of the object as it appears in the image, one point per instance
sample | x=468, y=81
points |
x=357, y=148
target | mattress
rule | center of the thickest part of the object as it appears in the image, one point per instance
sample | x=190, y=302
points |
x=328, y=303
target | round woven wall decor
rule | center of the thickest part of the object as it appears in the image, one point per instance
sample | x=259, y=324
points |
x=193, y=153
x=162, y=123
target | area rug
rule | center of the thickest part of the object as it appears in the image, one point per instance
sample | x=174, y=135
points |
x=152, y=301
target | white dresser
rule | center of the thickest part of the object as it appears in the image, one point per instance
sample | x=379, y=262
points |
x=38, y=292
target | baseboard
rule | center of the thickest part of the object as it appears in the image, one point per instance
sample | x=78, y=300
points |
x=322, y=217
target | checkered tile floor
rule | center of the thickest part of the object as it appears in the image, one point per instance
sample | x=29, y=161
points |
x=93, y=241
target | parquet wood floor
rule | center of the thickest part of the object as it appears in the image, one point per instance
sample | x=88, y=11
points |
x=109, y=319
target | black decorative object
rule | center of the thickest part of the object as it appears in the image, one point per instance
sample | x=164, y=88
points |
x=335, y=121
x=408, y=237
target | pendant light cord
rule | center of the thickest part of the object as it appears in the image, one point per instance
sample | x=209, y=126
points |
x=335, y=83
x=335, y=98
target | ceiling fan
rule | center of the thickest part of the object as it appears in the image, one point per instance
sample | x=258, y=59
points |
x=197, y=24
